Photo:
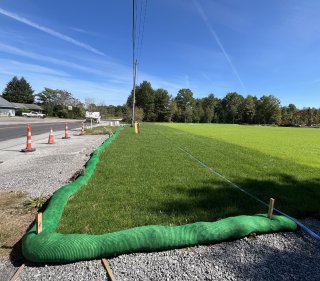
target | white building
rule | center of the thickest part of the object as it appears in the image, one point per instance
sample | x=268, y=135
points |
x=7, y=108
x=113, y=122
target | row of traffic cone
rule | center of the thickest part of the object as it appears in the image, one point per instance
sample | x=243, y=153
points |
x=51, y=137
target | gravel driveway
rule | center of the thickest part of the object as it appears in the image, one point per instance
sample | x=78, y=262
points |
x=49, y=167
x=281, y=256
x=40, y=172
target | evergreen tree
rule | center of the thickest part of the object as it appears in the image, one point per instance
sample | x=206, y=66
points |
x=18, y=90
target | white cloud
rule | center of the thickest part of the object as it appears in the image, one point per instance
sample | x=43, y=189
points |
x=16, y=51
x=80, y=30
x=51, y=32
x=105, y=70
x=218, y=41
x=19, y=68
x=36, y=56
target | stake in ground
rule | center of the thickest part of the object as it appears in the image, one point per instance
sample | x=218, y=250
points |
x=146, y=179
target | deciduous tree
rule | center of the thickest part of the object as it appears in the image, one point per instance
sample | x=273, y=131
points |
x=269, y=111
x=249, y=109
x=232, y=105
x=185, y=102
x=209, y=105
x=162, y=105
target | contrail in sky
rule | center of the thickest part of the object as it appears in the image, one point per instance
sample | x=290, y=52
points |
x=215, y=36
x=51, y=32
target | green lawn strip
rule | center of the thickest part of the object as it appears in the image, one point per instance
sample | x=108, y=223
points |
x=50, y=246
x=296, y=187
x=300, y=145
x=143, y=180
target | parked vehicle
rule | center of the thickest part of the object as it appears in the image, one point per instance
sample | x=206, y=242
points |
x=33, y=114
x=94, y=116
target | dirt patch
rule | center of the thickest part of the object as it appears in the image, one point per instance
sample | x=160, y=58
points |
x=100, y=130
x=14, y=221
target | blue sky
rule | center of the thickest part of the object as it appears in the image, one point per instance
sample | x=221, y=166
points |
x=248, y=46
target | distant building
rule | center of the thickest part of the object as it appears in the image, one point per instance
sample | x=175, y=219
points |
x=113, y=122
x=28, y=106
x=7, y=108
x=10, y=108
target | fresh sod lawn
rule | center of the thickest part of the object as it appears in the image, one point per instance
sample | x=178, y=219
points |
x=300, y=145
x=146, y=179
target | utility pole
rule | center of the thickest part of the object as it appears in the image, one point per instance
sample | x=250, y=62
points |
x=134, y=92
x=134, y=62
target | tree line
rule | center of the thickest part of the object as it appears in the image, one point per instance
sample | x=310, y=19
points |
x=159, y=106
x=55, y=102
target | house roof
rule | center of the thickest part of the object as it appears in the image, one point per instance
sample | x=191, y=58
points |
x=33, y=106
x=5, y=104
x=28, y=106
x=19, y=105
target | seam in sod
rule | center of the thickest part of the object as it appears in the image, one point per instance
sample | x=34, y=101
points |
x=306, y=229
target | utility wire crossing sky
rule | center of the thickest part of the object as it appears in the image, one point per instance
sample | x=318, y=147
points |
x=251, y=47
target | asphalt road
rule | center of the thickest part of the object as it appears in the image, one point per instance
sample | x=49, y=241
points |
x=12, y=131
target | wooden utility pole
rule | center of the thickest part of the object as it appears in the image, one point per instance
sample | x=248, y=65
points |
x=134, y=92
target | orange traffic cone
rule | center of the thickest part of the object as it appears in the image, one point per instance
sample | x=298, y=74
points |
x=51, y=137
x=82, y=130
x=29, y=145
x=66, y=132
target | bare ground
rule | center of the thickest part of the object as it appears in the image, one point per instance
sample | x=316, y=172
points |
x=14, y=221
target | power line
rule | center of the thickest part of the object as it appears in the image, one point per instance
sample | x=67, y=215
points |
x=133, y=31
x=136, y=25
x=133, y=60
x=139, y=10
x=142, y=34
x=137, y=42
x=139, y=28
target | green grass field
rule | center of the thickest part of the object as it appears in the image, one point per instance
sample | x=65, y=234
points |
x=147, y=179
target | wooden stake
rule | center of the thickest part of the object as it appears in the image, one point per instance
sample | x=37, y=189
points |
x=84, y=171
x=18, y=273
x=271, y=205
x=39, y=222
x=109, y=270
x=136, y=127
